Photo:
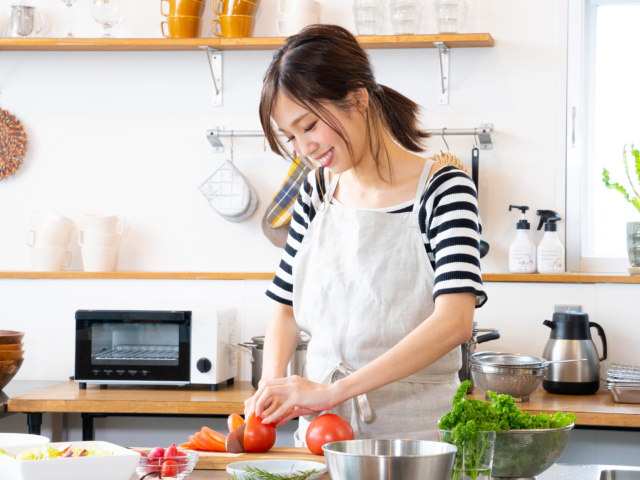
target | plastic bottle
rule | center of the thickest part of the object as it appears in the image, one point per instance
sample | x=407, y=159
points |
x=550, y=249
x=522, y=251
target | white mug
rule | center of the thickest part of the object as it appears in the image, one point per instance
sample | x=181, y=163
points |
x=49, y=259
x=310, y=7
x=87, y=238
x=47, y=238
x=292, y=24
x=106, y=224
x=99, y=259
x=52, y=221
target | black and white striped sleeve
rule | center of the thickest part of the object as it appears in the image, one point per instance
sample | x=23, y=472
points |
x=304, y=211
x=451, y=231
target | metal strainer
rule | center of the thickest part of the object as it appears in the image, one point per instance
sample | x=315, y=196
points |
x=523, y=454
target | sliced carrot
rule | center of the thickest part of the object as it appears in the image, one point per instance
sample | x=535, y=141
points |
x=188, y=446
x=212, y=433
x=196, y=444
x=214, y=443
x=204, y=442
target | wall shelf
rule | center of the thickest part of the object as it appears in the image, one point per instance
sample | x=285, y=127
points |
x=264, y=43
x=487, y=277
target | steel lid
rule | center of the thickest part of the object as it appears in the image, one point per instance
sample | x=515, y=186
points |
x=302, y=344
x=501, y=359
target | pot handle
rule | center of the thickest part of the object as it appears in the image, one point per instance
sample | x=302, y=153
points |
x=603, y=337
x=495, y=335
x=248, y=346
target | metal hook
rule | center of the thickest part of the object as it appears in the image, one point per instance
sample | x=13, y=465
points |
x=231, y=147
x=475, y=136
x=445, y=142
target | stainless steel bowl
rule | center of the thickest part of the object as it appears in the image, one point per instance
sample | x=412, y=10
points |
x=389, y=460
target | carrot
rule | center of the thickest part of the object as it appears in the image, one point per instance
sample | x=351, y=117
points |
x=188, y=446
x=216, y=444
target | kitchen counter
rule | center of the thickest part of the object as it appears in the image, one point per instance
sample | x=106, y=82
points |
x=16, y=388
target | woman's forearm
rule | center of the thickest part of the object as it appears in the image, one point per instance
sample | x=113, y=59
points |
x=447, y=328
x=281, y=340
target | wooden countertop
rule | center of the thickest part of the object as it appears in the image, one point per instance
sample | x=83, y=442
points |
x=591, y=410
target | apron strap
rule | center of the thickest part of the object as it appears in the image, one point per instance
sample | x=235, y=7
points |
x=331, y=186
x=422, y=183
x=361, y=402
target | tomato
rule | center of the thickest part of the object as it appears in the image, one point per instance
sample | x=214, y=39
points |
x=258, y=437
x=234, y=421
x=169, y=468
x=325, y=429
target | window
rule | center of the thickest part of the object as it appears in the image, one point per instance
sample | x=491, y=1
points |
x=603, y=101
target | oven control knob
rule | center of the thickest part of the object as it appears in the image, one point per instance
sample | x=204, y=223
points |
x=203, y=365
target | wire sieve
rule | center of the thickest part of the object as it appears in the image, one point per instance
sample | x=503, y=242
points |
x=623, y=373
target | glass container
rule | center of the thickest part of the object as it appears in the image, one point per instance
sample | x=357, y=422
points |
x=107, y=13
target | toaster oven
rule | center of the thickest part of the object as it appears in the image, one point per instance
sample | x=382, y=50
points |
x=153, y=347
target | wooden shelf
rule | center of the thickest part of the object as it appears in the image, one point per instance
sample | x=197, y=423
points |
x=264, y=43
x=487, y=277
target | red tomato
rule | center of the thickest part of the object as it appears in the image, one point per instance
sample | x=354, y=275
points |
x=169, y=468
x=234, y=421
x=258, y=437
x=325, y=429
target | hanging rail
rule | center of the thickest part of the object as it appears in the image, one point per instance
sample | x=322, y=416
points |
x=483, y=134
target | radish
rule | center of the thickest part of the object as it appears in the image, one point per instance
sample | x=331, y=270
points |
x=157, y=452
x=171, y=452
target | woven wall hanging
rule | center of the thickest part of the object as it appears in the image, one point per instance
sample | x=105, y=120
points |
x=13, y=143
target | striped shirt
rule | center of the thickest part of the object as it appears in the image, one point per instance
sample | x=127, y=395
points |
x=449, y=223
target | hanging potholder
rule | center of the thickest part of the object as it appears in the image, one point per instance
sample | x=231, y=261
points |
x=254, y=205
x=280, y=209
x=227, y=190
x=13, y=143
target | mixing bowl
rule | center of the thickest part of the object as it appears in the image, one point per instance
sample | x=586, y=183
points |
x=389, y=460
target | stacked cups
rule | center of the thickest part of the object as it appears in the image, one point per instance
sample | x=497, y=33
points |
x=405, y=15
x=368, y=14
x=183, y=19
x=297, y=15
x=235, y=18
x=49, y=240
x=100, y=241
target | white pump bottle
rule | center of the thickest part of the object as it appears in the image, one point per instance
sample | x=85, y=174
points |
x=522, y=251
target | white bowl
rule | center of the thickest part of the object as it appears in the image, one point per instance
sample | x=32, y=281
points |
x=119, y=466
x=7, y=439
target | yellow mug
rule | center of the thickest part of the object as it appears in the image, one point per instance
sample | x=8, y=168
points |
x=235, y=7
x=233, y=26
x=181, y=27
x=183, y=8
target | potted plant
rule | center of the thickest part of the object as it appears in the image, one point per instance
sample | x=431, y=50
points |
x=633, y=228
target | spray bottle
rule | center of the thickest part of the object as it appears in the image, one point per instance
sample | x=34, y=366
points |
x=550, y=250
x=522, y=252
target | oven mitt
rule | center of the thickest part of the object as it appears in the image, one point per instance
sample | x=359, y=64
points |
x=277, y=236
x=252, y=209
x=280, y=209
x=228, y=191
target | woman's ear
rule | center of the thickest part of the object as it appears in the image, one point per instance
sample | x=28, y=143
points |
x=360, y=98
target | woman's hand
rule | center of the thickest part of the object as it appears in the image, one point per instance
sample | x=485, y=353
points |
x=282, y=399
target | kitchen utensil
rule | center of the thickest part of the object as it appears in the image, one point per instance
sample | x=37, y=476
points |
x=87, y=238
x=106, y=224
x=405, y=15
x=275, y=467
x=515, y=359
x=623, y=383
x=99, y=259
x=12, y=355
x=475, y=174
x=523, y=454
x=47, y=238
x=571, y=339
x=190, y=8
x=69, y=4
x=469, y=348
x=252, y=209
x=235, y=7
x=8, y=370
x=277, y=236
x=119, y=466
x=181, y=27
x=296, y=364
x=12, y=346
x=107, y=13
x=49, y=259
x=187, y=464
x=10, y=337
x=13, y=144
x=293, y=23
x=24, y=19
x=298, y=7
x=368, y=18
x=624, y=394
x=53, y=221
x=227, y=190
x=233, y=26
x=389, y=459
x=448, y=15
x=623, y=373
x=446, y=159
x=7, y=439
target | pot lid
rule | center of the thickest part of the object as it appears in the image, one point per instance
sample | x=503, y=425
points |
x=304, y=340
x=500, y=359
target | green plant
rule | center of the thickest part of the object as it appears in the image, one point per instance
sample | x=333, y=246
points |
x=635, y=201
x=257, y=474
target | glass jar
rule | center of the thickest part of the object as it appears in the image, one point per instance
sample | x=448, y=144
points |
x=633, y=243
x=475, y=459
x=449, y=15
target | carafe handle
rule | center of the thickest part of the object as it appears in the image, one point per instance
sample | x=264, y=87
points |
x=603, y=337
x=549, y=323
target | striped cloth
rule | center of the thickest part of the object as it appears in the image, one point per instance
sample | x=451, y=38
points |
x=280, y=209
x=449, y=223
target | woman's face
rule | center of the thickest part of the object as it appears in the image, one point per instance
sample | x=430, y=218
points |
x=312, y=137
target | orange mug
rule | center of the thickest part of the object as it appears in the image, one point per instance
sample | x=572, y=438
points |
x=181, y=27
x=235, y=7
x=183, y=8
x=233, y=26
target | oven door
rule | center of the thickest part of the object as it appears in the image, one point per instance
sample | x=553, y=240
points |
x=117, y=346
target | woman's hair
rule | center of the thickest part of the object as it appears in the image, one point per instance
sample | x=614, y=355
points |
x=323, y=64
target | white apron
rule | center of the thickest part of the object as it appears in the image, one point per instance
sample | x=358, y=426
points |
x=362, y=282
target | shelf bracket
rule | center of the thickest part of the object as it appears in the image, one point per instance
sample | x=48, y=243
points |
x=484, y=136
x=214, y=57
x=214, y=139
x=443, y=56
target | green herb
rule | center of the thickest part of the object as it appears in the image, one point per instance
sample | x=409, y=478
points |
x=2, y=452
x=616, y=186
x=257, y=474
x=512, y=418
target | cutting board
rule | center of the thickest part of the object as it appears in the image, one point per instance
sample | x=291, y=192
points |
x=219, y=461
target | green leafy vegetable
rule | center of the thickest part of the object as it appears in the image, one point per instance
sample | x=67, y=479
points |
x=258, y=474
x=635, y=201
x=2, y=452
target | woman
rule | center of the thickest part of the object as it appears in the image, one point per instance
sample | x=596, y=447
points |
x=382, y=264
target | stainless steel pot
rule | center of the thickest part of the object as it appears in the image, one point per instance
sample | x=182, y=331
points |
x=469, y=348
x=295, y=367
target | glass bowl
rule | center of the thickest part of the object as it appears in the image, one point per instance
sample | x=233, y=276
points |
x=150, y=468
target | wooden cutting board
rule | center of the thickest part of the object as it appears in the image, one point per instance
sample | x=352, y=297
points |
x=219, y=461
